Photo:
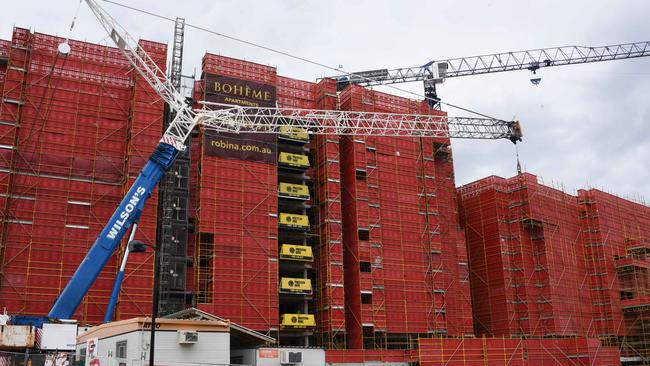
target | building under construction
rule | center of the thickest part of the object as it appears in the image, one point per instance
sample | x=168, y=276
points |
x=545, y=263
x=74, y=133
x=352, y=243
x=346, y=242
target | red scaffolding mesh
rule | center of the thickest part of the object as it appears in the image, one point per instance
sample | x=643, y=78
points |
x=240, y=69
x=327, y=176
x=391, y=262
x=293, y=93
x=402, y=246
x=526, y=257
x=236, y=271
x=515, y=352
x=66, y=126
x=4, y=60
x=617, y=240
x=547, y=263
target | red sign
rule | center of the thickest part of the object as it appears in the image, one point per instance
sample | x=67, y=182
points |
x=268, y=353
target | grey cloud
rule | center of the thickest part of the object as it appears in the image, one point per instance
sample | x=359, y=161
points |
x=582, y=123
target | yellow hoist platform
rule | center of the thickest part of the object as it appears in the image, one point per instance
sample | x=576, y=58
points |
x=295, y=285
x=294, y=133
x=296, y=252
x=297, y=321
x=294, y=160
x=294, y=221
x=290, y=190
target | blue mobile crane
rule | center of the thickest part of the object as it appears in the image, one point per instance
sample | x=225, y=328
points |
x=229, y=118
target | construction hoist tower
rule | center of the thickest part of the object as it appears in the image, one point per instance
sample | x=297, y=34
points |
x=173, y=201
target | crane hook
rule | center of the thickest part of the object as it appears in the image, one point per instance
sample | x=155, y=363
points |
x=64, y=48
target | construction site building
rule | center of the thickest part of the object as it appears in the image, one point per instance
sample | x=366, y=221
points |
x=378, y=217
x=616, y=235
x=545, y=263
x=526, y=257
x=269, y=231
x=350, y=243
x=74, y=133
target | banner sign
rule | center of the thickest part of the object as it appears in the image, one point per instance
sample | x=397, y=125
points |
x=372, y=75
x=242, y=146
x=227, y=90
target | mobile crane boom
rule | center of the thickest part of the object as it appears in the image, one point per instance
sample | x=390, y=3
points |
x=237, y=119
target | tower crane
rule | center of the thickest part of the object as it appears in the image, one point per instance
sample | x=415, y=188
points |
x=234, y=119
x=435, y=72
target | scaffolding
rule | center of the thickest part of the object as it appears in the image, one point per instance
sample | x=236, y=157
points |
x=236, y=214
x=173, y=226
x=403, y=249
x=545, y=263
x=617, y=235
x=506, y=351
x=550, y=273
x=236, y=249
x=330, y=309
x=66, y=127
x=526, y=257
x=296, y=143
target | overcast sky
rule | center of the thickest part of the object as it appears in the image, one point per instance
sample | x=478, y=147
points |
x=584, y=125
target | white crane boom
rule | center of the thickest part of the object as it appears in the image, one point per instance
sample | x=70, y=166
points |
x=185, y=120
x=437, y=71
x=531, y=60
x=247, y=119
x=231, y=118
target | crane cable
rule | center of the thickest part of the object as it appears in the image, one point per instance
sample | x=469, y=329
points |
x=74, y=20
x=295, y=57
x=518, y=163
